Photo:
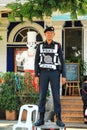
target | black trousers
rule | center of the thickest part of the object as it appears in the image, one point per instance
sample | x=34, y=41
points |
x=52, y=76
x=84, y=107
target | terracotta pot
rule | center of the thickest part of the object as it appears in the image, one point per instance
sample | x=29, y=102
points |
x=11, y=115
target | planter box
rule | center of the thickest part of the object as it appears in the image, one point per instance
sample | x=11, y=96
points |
x=11, y=115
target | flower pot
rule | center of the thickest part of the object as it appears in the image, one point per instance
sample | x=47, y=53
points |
x=11, y=115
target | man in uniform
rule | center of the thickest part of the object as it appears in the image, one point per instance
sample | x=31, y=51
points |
x=47, y=69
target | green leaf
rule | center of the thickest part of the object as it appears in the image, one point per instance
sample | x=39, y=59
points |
x=1, y=38
x=40, y=8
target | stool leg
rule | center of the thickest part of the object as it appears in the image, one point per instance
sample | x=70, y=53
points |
x=69, y=90
x=78, y=90
x=66, y=90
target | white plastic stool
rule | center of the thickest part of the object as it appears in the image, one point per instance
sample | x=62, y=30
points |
x=29, y=122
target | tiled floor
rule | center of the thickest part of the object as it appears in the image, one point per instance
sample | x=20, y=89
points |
x=7, y=125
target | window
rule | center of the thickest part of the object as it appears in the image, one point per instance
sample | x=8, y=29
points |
x=21, y=35
x=73, y=43
x=73, y=40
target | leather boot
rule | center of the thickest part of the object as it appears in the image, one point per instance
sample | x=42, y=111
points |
x=59, y=121
x=41, y=120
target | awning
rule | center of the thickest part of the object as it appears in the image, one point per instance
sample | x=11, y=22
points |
x=66, y=17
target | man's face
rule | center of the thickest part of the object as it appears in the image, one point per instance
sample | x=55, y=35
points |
x=49, y=35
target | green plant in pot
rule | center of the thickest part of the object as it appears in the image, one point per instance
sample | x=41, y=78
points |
x=30, y=96
x=10, y=89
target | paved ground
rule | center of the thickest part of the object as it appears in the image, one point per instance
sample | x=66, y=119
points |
x=7, y=125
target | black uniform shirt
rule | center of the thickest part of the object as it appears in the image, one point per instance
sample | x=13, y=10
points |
x=37, y=57
x=84, y=91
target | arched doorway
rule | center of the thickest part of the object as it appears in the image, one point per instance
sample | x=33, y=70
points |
x=17, y=42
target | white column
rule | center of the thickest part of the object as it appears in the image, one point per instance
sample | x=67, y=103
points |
x=85, y=40
x=58, y=25
x=3, y=50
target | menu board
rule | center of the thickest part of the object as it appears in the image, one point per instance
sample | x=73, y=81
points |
x=72, y=71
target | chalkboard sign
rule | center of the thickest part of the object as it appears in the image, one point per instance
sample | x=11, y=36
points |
x=72, y=71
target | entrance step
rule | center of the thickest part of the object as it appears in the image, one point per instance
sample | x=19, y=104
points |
x=72, y=109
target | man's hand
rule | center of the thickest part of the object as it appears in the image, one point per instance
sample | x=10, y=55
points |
x=63, y=80
x=36, y=80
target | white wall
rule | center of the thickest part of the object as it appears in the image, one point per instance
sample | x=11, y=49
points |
x=3, y=50
x=5, y=2
x=85, y=41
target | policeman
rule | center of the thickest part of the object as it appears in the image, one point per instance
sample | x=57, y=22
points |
x=47, y=69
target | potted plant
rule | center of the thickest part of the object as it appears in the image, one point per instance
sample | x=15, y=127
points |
x=30, y=96
x=9, y=94
x=17, y=90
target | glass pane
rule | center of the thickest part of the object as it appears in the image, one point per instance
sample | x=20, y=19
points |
x=73, y=43
x=21, y=35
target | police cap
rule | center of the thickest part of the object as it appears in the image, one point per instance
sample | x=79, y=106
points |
x=49, y=29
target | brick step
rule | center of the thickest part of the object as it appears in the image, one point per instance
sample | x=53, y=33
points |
x=75, y=98
x=71, y=101
x=71, y=97
x=72, y=114
x=72, y=120
x=72, y=107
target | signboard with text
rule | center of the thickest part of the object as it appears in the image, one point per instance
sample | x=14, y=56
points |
x=72, y=71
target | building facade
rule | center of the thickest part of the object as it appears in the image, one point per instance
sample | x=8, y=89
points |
x=71, y=35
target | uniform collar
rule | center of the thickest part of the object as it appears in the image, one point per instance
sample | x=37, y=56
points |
x=52, y=43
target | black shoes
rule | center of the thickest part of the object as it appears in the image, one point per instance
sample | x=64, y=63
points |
x=60, y=123
x=39, y=122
